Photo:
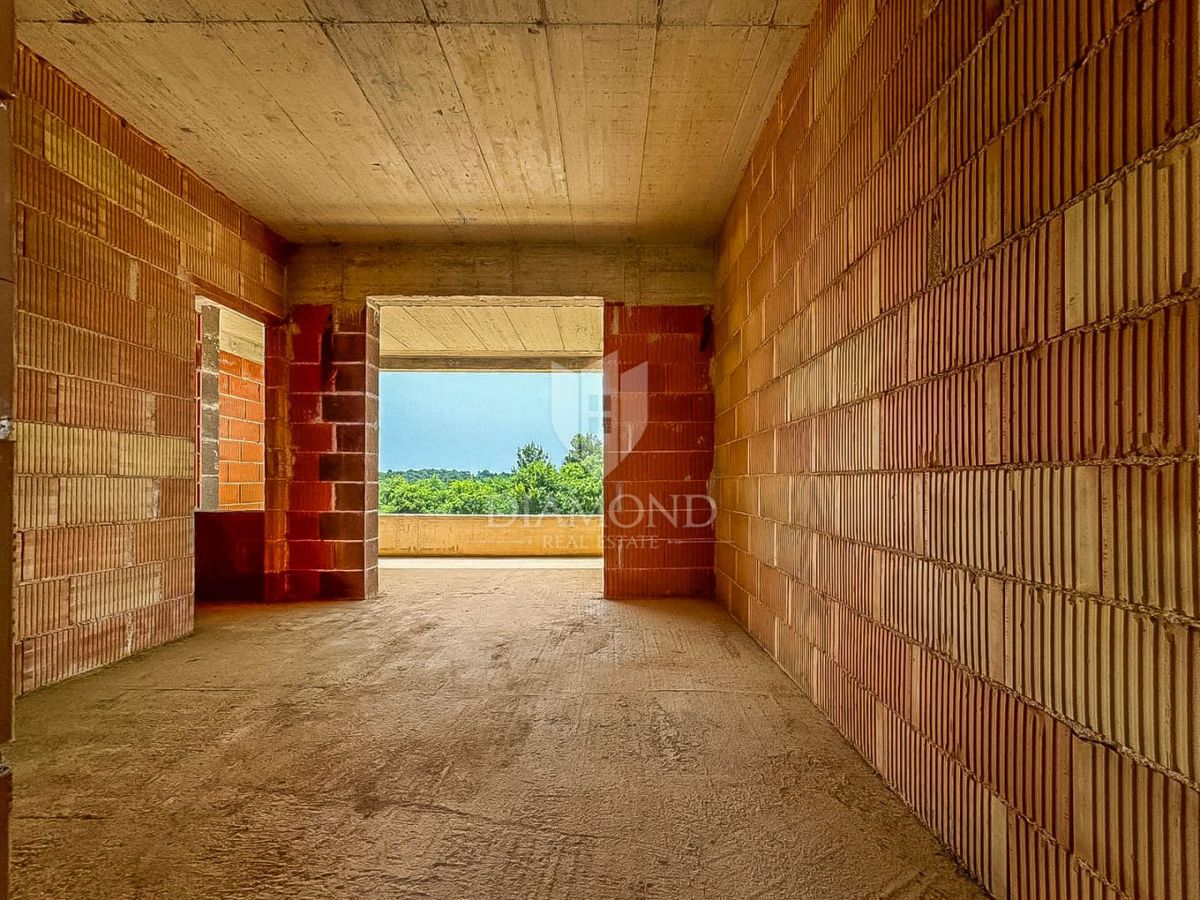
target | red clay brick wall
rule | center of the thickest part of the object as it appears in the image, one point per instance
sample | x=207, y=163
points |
x=322, y=517
x=111, y=234
x=229, y=555
x=658, y=528
x=957, y=412
x=242, y=433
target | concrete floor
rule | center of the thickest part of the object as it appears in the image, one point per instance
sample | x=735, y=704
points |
x=473, y=734
x=492, y=562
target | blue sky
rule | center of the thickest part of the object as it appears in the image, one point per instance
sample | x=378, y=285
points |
x=476, y=420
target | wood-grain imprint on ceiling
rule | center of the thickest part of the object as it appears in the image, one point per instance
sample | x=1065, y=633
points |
x=443, y=120
x=502, y=332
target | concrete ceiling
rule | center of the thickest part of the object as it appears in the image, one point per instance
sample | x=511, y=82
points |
x=434, y=120
x=518, y=334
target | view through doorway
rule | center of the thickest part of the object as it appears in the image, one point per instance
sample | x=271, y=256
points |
x=491, y=428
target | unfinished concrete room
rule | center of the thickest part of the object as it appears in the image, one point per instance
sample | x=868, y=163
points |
x=863, y=563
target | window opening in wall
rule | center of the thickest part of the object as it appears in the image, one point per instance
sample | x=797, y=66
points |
x=231, y=417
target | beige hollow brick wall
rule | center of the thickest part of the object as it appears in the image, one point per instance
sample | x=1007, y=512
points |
x=958, y=402
x=113, y=239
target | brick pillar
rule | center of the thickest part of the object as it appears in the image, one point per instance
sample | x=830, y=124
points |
x=322, y=491
x=658, y=452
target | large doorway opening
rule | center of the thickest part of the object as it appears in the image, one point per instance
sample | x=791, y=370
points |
x=491, y=428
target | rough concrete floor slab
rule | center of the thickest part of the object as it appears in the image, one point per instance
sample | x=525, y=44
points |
x=492, y=562
x=472, y=734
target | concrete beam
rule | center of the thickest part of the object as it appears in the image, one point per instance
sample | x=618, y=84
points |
x=490, y=363
x=634, y=274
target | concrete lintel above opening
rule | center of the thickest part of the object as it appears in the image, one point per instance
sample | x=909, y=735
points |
x=485, y=300
x=489, y=364
x=242, y=336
